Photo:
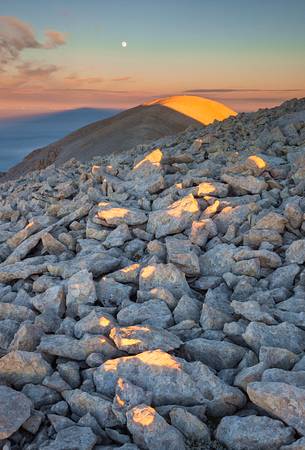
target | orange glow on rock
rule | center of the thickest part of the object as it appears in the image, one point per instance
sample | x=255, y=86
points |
x=119, y=401
x=126, y=342
x=104, y=322
x=147, y=272
x=154, y=158
x=112, y=213
x=212, y=209
x=155, y=358
x=205, y=188
x=258, y=161
x=187, y=205
x=130, y=268
x=143, y=415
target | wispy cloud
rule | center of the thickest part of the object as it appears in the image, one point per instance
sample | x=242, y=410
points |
x=16, y=36
x=121, y=79
x=76, y=79
x=54, y=39
x=224, y=91
x=29, y=69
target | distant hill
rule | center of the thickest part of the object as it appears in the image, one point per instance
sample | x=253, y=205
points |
x=139, y=125
x=20, y=135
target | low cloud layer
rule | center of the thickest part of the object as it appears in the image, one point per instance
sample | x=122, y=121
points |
x=16, y=36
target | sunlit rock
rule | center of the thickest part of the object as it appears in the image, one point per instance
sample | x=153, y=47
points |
x=174, y=219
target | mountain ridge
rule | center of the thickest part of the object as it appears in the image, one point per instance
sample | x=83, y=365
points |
x=139, y=125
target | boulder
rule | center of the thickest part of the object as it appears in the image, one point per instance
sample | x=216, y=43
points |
x=15, y=409
x=280, y=400
x=253, y=432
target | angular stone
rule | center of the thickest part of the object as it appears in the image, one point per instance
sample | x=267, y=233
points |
x=188, y=308
x=97, y=322
x=294, y=214
x=153, y=312
x=212, y=188
x=213, y=319
x=52, y=299
x=129, y=274
x=154, y=371
x=233, y=216
x=220, y=398
x=249, y=375
x=174, y=219
x=128, y=395
x=56, y=382
x=52, y=245
x=80, y=291
x=253, y=432
x=271, y=221
x=70, y=372
x=166, y=276
x=67, y=347
x=284, y=335
x=18, y=313
x=254, y=238
x=15, y=409
x=245, y=183
x=81, y=403
x=20, y=367
x=137, y=339
x=97, y=263
x=73, y=437
x=118, y=236
x=295, y=253
x=277, y=357
x=180, y=253
x=284, y=276
x=201, y=231
x=110, y=292
x=216, y=354
x=8, y=328
x=248, y=267
x=27, y=338
x=218, y=260
x=281, y=400
x=150, y=431
x=40, y=395
x=114, y=216
x=189, y=425
x=253, y=311
x=296, y=378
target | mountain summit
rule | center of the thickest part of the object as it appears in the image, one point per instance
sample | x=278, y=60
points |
x=201, y=109
x=140, y=125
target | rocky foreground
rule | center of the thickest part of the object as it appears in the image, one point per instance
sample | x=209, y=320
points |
x=156, y=300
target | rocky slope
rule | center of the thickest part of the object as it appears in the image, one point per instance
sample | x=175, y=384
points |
x=125, y=130
x=156, y=300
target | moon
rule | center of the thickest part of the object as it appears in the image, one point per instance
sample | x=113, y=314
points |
x=124, y=44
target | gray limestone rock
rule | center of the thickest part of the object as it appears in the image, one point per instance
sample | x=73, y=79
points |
x=253, y=432
x=21, y=367
x=215, y=354
x=15, y=409
x=281, y=400
x=139, y=338
x=151, y=431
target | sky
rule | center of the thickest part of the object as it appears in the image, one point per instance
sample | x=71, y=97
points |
x=65, y=54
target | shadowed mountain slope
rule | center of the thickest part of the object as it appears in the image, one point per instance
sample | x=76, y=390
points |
x=139, y=125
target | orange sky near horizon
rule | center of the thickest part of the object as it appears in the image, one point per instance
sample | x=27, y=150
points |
x=72, y=55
